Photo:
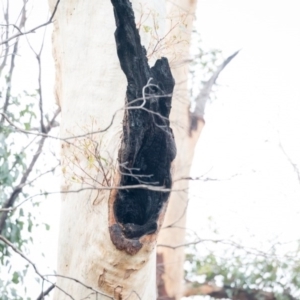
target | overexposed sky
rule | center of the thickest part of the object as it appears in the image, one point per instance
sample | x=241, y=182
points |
x=258, y=104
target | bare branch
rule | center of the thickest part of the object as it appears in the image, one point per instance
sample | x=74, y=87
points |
x=249, y=250
x=40, y=92
x=33, y=29
x=19, y=188
x=294, y=166
x=204, y=179
x=12, y=64
x=92, y=132
x=8, y=81
x=53, y=285
x=202, y=98
x=6, y=18
x=128, y=187
x=8, y=243
x=182, y=215
x=46, y=292
x=79, y=282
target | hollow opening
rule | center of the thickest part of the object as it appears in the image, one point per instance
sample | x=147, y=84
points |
x=137, y=211
x=131, y=207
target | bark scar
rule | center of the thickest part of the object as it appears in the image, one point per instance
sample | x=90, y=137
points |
x=118, y=293
x=101, y=278
x=148, y=146
x=128, y=272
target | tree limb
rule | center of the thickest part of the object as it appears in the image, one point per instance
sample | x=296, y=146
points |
x=19, y=188
x=33, y=29
x=9, y=244
x=202, y=98
x=294, y=166
x=46, y=292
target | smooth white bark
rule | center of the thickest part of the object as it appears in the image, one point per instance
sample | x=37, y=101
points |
x=180, y=12
x=90, y=89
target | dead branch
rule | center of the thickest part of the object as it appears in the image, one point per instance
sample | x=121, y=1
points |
x=19, y=188
x=248, y=250
x=12, y=62
x=9, y=244
x=294, y=166
x=6, y=18
x=40, y=92
x=202, y=98
x=8, y=80
x=81, y=283
x=66, y=139
x=46, y=292
x=33, y=30
x=128, y=187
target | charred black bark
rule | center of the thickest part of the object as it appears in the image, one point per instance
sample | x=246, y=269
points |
x=148, y=146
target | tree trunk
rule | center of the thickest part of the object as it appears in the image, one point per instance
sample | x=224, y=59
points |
x=170, y=253
x=170, y=261
x=103, y=249
x=107, y=235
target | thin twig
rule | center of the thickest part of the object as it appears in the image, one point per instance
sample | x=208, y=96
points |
x=249, y=250
x=85, y=134
x=8, y=243
x=12, y=65
x=6, y=18
x=8, y=81
x=109, y=188
x=40, y=92
x=294, y=166
x=35, y=28
x=46, y=292
x=19, y=188
x=80, y=282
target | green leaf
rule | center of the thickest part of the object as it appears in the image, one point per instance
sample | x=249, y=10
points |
x=15, y=278
x=146, y=28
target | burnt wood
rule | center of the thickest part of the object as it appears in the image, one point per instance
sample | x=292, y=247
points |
x=148, y=146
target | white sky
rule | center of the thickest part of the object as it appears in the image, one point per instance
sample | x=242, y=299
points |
x=257, y=103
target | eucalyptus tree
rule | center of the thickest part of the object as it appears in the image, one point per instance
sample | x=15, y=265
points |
x=114, y=90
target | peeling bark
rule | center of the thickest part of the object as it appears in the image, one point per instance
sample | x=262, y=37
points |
x=147, y=147
x=160, y=282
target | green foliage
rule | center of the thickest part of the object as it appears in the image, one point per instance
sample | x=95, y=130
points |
x=16, y=152
x=203, y=64
x=246, y=269
x=19, y=223
x=224, y=263
x=13, y=164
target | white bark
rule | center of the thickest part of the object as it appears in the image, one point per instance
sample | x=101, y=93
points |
x=90, y=89
x=173, y=230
